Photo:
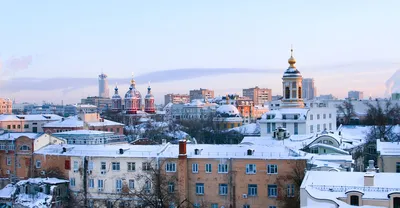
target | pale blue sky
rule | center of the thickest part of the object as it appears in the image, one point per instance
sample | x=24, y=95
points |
x=82, y=38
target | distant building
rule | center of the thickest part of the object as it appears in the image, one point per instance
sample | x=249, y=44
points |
x=388, y=156
x=258, y=95
x=104, y=92
x=201, y=94
x=176, y=98
x=327, y=97
x=26, y=123
x=396, y=96
x=6, y=106
x=103, y=104
x=227, y=117
x=355, y=95
x=277, y=97
x=195, y=110
x=309, y=90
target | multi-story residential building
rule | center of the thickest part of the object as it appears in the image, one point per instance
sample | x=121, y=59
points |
x=26, y=123
x=193, y=110
x=388, y=156
x=176, y=98
x=201, y=94
x=355, y=95
x=90, y=137
x=348, y=189
x=258, y=95
x=245, y=106
x=71, y=110
x=84, y=121
x=309, y=89
x=202, y=175
x=6, y=106
x=16, y=152
x=102, y=104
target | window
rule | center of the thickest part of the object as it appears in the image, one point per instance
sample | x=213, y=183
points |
x=330, y=115
x=91, y=183
x=272, y=206
x=273, y=126
x=397, y=167
x=171, y=187
x=222, y=168
x=8, y=126
x=330, y=126
x=131, y=184
x=272, y=191
x=296, y=128
x=290, y=190
x=214, y=205
x=145, y=166
x=38, y=164
x=103, y=166
x=223, y=189
x=195, y=168
x=354, y=200
x=284, y=125
x=200, y=188
x=294, y=95
x=251, y=169
x=26, y=126
x=24, y=148
x=311, y=129
x=208, y=168
x=246, y=206
x=19, y=126
x=67, y=165
x=118, y=185
x=324, y=126
x=90, y=165
x=147, y=186
x=115, y=166
x=268, y=128
x=72, y=182
x=8, y=160
x=170, y=167
x=324, y=116
x=13, y=126
x=300, y=92
x=76, y=165
x=272, y=169
x=287, y=93
x=2, y=146
x=317, y=116
x=100, y=183
x=131, y=166
x=252, y=190
x=318, y=128
x=311, y=116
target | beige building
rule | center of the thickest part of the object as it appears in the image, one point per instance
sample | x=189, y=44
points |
x=5, y=106
x=258, y=95
x=27, y=123
x=389, y=156
x=201, y=94
x=350, y=188
x=176, y=98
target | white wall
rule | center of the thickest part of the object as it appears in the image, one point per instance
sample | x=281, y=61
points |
x=45, y=140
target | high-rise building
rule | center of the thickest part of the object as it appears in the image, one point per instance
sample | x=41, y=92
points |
x=258, y=95
x=201, y=94
x=5, y=106
x=309, y=90
x=176, y=98
x=355, y=95
x=104, y=92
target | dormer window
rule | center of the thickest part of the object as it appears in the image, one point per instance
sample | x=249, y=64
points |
x=250, y=152
x=24, y=148
x=197, y=151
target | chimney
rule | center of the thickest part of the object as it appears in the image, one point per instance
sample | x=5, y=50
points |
x=182, y=147
x=370, y=174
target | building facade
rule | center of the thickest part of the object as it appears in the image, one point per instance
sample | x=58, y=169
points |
x=104, y=92
x=6, y=106
x=201, y=94
x=176, y=99
x=258, y=95
x=355, y=95
x=309, y=89
x=388, y=156
x=27, y=123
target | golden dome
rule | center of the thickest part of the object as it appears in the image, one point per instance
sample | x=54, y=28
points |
x=292, y=60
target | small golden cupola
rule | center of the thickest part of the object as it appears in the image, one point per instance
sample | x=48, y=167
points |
x=292, y=60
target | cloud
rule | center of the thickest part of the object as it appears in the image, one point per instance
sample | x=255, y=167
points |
x=69, y=84
x=14, y=64
x=393, y=84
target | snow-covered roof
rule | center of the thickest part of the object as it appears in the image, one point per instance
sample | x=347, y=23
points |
x=13, y=136
x=228, y=109
x=338, y=150
x=38, y=117
x=7, y=191
x=388, y=148
x=70, y=122
x=248, y=129
x=102, y=150
x=286, y=111
x=317, y=185
x=52, y=181
x=82, y=132
x=333, y=158
x=234, y=151
x=105, y=123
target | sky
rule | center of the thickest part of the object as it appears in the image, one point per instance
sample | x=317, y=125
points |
x=54, y=50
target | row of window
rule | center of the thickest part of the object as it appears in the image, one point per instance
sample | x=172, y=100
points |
x=26, y=126
x=118, y=184
x=319, y=127
x=319, y=117
x=115, y=166
x=252, y=190
x=223, y=168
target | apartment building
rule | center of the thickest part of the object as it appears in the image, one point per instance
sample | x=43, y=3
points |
x=26, y=123
x=258, y=95
x=201, y=94
x=201, y=175
x=176, y=98
x=388, y=156
x=5, y=106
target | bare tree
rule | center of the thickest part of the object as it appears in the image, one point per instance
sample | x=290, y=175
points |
x=289, y=186
x=346, y=111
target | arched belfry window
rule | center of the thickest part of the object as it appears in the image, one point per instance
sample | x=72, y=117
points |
x=287, y=93
x=354, y=200
x=299, y=92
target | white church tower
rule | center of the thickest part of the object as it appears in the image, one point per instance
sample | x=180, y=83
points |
x=292, y=86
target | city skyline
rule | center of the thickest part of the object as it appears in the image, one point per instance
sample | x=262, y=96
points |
x=44, y=43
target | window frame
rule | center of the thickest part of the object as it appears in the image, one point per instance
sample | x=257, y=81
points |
x=131, y=166
x=199, y=188
x=223, y=189
x=170, y=167
x=115, y=166
x=208, y=168
x=272, y=190
x=222, y=167
x=38, y=164
x=272, y=169
x=91, y=183
x=252, y=190
x=195, y=168
x=251, y=169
